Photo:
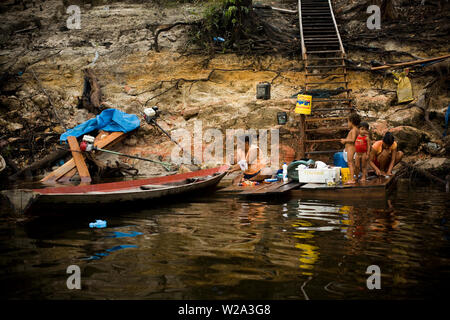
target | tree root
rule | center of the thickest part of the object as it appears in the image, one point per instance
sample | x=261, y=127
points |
x=40, y=164
x=177, y=82
x=180, y=23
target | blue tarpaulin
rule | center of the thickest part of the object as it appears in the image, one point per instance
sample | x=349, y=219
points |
x=108, y=120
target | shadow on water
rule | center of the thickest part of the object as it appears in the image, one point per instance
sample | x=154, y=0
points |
x=222, y=247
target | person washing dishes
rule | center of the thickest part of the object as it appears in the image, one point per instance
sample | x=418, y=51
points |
x=384, y=155
x=254, y=168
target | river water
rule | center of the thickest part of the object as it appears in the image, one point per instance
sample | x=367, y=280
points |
x=222, y=247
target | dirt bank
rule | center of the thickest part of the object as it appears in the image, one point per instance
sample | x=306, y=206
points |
x=117, y=40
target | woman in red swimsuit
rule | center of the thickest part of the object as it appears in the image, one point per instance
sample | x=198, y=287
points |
x=362, y=148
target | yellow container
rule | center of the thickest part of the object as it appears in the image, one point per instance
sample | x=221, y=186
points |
x=345, y=173
x=303, y=105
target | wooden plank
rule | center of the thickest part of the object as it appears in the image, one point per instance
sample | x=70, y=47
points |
x=327, y=130
x=55, y=175
x=322, y=140
x=323, y=151
x=113, y=137
x=285, y=188
x=244, y=189
x=78, y=157
x=325, y=119
x=98, y=141
x=264, y=188
x=69, y=165
x=69, y=175
x=275, y=188
x=302, y=147
x=231, y=189
x=410, y=63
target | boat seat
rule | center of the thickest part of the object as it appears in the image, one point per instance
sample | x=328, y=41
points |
x=153, y=186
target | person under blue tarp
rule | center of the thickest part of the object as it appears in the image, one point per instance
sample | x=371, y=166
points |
x=108, y=120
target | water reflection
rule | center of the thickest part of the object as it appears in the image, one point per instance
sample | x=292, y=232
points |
x=229, y=248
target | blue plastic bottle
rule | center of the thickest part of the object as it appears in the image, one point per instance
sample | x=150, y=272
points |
x=98, y=224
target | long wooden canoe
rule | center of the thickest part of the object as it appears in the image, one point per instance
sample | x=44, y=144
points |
x=21, y=200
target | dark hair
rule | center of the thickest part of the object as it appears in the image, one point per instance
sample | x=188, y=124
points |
x=248, y=137
x=354, y=118
x=388, y=138
x=364, y=125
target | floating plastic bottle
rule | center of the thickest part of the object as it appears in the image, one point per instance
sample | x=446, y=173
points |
x=98, y=224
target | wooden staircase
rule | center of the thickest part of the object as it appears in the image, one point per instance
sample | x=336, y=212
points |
x=325, y=79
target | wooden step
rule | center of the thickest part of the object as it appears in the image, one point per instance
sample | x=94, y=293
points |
x=327, y=58
x=317, y=43
x=329, y=100
x=324, y=74
x=331, y=109
x=310, y=30
x=323, y=51
x=322, y=151
x=340, y=91
x=329, y=82
x=325, y=119
x=315, y=10
x=322, y=140
x=318, y=29
x=326, y=130
x=326, y=66
x=324, y=13
x=319, y=38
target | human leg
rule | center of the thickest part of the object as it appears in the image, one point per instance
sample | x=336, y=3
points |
x=398, y=157
x=384, y=159
x=357, y=164
x=350, y=148
x=364, y=160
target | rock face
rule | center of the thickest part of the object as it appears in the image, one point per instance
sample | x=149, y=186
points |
x=407, y=116
x=409, y=138
x=219, y=90
x=439, y=166
x=371, y=100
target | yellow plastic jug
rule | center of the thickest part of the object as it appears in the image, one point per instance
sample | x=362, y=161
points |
x=345, y=173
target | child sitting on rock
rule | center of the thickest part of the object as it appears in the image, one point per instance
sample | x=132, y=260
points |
x=349, y=142
x=362, y=148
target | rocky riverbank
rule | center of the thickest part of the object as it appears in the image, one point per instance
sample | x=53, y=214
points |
x=41, y=62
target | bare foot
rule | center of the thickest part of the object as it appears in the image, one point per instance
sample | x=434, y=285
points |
x=350, y=182
x=363, y=180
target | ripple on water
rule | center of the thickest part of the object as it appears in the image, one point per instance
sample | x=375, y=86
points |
x=227, y=248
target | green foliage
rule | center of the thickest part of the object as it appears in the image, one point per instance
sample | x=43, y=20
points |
x=226, y=19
